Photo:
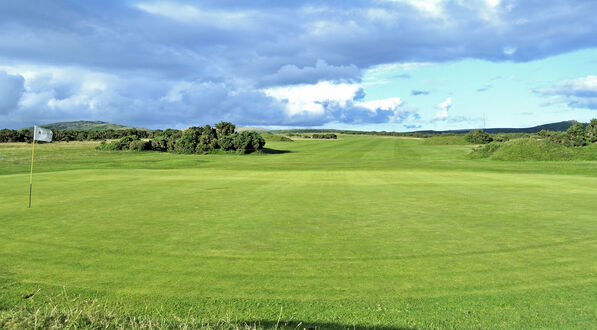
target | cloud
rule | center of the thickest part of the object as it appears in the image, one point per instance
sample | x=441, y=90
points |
x=327, y=103
x=322, y=71
x=416, y=93
x=11, y=90
x=443, y=107
x=576, y=93
x=484, y=88
x=402, y=76
x=132, y=54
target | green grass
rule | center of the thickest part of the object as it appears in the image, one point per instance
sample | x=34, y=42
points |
x=359, y=231
x=532, y=149
x=275, y=137
x=446, y=140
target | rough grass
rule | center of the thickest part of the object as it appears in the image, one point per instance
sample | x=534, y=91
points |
x=275, y=137
x=446, y=140
x=530, y=149
x=355, y=232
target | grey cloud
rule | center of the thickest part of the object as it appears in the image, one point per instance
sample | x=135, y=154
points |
x=576, y=93
x=402, y=76
x=291, y=74
x=11, y=90
x=416, y=93
x=484, y=88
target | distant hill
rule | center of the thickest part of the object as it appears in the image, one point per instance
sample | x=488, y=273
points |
x=86, y=125
x=556, y=127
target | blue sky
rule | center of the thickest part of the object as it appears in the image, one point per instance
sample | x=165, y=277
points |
x=372, y=65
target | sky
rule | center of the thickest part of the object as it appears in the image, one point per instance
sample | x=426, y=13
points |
x=394, y=65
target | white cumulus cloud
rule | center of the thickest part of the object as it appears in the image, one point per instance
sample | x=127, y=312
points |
x=443, y=107
x=576, y=93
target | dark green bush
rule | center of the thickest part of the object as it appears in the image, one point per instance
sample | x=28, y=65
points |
x=226, y=142
x=159, y=143
x=114, y=145
x=247, y=141
x=501, y=138
x=324, y=136
x=208, y=140
x=575, y=135
x=478, y=136
x=225, y=129
x=126, y=141
x=187, y=143
x=140, y=145
x=591, y=131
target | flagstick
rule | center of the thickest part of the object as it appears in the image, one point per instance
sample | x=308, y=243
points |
x=31, y=174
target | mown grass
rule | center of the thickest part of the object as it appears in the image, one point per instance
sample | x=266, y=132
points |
x=354, y=232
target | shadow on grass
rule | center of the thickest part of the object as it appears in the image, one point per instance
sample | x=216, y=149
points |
x=274, y=151
x=314, y=326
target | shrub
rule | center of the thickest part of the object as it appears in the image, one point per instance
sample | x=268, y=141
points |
x=247, y=141
x=225, y=129
x=208, y=140
x=591, y=131
x=226, y=142
x=324, y=136
x=478, y=136
x=501, y=138
x=140, y=145
x=172, y=141
x=126, y=141
x=159, y=143
x=114, y=145
x=575, y=135
x=187, y=143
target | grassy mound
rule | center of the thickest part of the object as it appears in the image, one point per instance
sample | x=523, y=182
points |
x=532, y=149
x=276, y=137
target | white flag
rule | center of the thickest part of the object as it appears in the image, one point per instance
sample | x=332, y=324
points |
x=42, y=134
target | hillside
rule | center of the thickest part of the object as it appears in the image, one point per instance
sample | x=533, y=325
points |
x=556, y=127
x=86, y=125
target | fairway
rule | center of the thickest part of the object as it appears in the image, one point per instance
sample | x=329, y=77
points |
x=355, y=232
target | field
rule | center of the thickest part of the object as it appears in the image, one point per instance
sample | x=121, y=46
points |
x=355, y=232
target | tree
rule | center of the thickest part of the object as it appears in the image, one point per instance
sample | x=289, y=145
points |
x=591, y=131
x=478, y=136
x=576, y=135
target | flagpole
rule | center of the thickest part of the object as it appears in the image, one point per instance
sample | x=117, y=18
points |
x=31, y=174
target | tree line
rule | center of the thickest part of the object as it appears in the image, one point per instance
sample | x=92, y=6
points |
x=194, y=140
x=26, y=135
x=576, y=136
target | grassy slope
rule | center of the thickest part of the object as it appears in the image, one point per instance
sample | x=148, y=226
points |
x=531, y=149
x=357, y=231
